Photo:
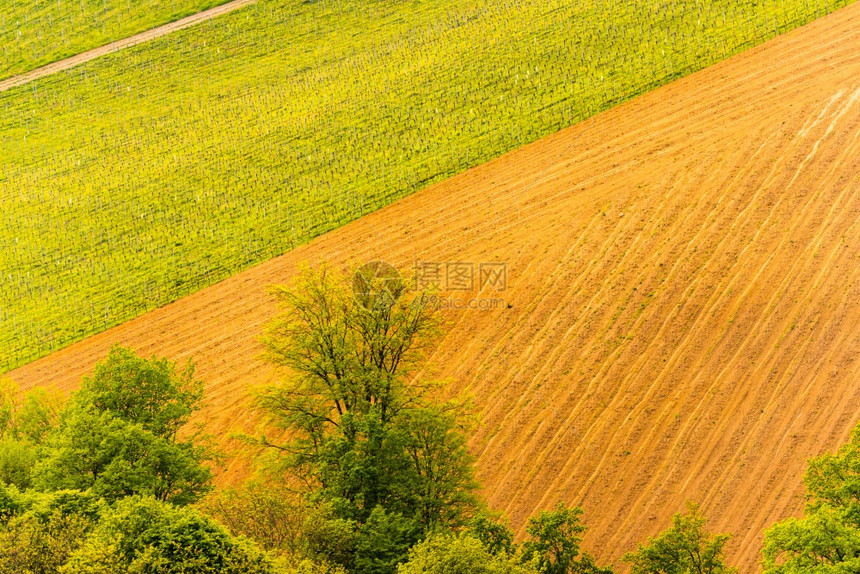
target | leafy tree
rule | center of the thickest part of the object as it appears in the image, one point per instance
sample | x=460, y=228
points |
x=149, y=392
x=265, y=512
x=24, y=425
x=383, y=542
x=33, y=544
x=362, y=432
x=464, y=554
x=492, y=530
x=329, y=539
x=140, y=534
x=11, y=502
x=17, y=459
x=685, y=548
x=439, y=473
x=827, y=539
x=38, y=415
x=555, y=536
x=374, y=546
x=38, y=531
x=116, y=458
x=119, y=434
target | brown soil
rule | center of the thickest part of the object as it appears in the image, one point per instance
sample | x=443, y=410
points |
x=684, y=294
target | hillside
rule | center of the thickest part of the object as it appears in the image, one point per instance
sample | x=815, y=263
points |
x=681, y=316
x=151, y=172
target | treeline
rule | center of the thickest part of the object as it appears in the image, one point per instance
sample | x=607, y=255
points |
x=361, y=469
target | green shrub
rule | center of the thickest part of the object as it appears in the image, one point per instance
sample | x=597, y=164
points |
x=144, y=535
x=448, y=554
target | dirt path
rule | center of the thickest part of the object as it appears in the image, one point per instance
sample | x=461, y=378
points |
x=684, y=299
x=83, y=57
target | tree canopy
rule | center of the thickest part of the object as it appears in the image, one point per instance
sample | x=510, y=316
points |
x=685, y=548
x=554, y=542
x=827, y=539
x=365, y=437
x=118, y=435
x=463, y=554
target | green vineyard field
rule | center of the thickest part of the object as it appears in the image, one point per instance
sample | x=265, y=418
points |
x=37, y=32
x=145, y=175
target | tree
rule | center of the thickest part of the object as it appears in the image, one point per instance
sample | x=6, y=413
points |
x=149, y=392
x=492, y=530
x=362, y=430
x=24, y=425
x=36, y=416
x=555, y=536
x=141, y=534
x=39, y=531
x=827, y=538
x=439, y=477
x=17, y=459
x=118, y=435
x=29, y=543
x=463, y=554
x=329, y=540
x=685, y=548
x=265, y=512
x=383, y=542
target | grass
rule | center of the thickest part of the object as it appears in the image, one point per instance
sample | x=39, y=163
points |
x=143, y=176
x=37, y=32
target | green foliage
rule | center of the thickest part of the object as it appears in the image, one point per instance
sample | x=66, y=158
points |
x=117, y=458
x=143, y=535
x=361, y=434
x=24, y=425
x=29, y=418
x=117, y=440
x=77, y=533
x=265, y=512
x=36, y=32
x=448, y=554
x=37, y=416
x=148, y=392
x=685, y=548
x=84, y=504
x=39, y=545
x=38, y=531
x=492, y=530
x=118, y=434
x=11, y=502
x=821, y=543
x=383, y=542
x=555, y=536
x=827, y=539
x=438, y=477
x=285, y=523
x=294, y=118
x=380, y=462
x=313, y=567
x=17, y=459
x=329, y=539
x=833, y=480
